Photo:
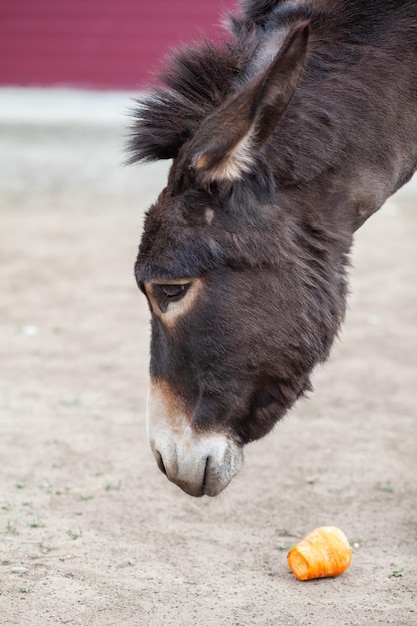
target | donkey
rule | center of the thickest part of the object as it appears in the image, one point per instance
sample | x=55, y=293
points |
x=285, y=137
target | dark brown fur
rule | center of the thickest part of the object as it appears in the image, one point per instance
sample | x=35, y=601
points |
x=333, y=133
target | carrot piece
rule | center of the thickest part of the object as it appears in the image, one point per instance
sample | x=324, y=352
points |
x=323, y=552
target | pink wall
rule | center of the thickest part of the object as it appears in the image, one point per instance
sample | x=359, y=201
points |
x=97, y=43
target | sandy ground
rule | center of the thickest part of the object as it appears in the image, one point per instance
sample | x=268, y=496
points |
x=91, y=533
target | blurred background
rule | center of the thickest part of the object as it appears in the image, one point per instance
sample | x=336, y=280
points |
x=74, y=351
x=71, y=211
x=104, y=44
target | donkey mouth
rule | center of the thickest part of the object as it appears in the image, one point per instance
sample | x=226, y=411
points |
x=201, y=467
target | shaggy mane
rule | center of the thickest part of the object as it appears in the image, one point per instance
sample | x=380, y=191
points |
x=196, y=81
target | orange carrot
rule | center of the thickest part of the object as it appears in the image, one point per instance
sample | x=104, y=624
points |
x=323, y=552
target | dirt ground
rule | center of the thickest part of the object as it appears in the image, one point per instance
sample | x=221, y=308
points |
x=91, y=533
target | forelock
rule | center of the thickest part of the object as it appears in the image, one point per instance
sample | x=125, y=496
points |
x=195, y=80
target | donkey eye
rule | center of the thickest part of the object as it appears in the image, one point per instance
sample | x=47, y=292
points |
x=170, y=291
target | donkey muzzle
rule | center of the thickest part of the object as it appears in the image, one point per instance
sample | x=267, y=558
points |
x=200, y=463
x=204, y=468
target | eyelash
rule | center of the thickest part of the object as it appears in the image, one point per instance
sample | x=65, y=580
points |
x=170, y=291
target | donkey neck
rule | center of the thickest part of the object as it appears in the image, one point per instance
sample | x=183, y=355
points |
x=340, y=200
x=348, y=139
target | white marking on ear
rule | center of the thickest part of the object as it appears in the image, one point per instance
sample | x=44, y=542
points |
x=235, y=162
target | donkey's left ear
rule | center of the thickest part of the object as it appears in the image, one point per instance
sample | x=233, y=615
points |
x=225, y=145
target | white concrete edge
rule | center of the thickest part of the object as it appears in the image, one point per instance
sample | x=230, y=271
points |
x=65, y=106
x=62, y=106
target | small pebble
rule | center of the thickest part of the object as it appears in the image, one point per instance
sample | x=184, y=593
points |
x=20, y=570
x=30, y=330
x=373, y=320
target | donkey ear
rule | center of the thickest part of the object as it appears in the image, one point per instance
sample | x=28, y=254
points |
x=226, y=143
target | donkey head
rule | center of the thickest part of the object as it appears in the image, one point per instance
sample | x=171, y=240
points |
x=242, y=301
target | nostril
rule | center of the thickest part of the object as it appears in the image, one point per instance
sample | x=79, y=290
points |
x=160, y=462
x=205, y=476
